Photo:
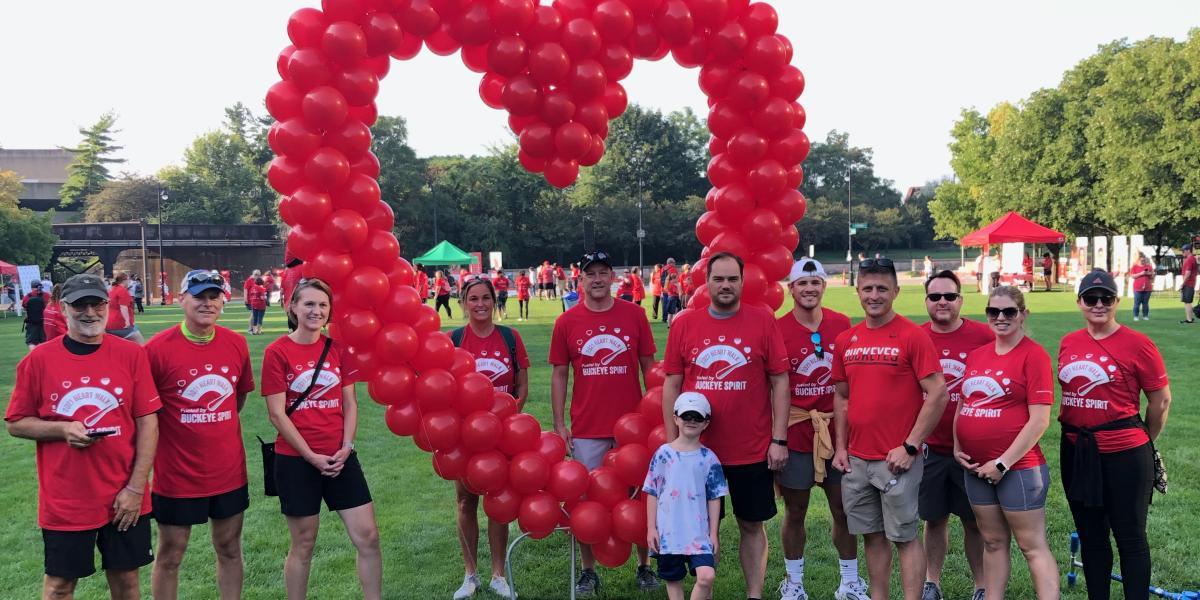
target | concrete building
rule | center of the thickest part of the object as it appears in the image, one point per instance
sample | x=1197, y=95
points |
x=43, y=173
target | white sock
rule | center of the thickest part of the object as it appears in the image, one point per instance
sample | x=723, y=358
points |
x=849, y=569
x=795, y=570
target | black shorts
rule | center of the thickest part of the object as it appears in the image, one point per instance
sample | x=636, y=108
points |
x=34, y=334
x=751, y=491
x=71, y=554
x=501, y=298
x=183, y=512
x=1187, y=294
x=302, y=487
x=942, y=489
x=674, y=567
x=1045, y=272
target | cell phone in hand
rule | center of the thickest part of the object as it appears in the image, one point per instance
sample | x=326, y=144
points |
x=100, y=434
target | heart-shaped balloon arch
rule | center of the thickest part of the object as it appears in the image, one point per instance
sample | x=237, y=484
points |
x=556, y=69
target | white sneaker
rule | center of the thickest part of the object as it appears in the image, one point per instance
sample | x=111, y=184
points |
x=853, y=590
x=500, y=587
x=1136, y=318
x=469, y=586
x=790, y=590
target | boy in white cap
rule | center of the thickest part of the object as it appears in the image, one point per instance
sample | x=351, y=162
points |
x=684, y=487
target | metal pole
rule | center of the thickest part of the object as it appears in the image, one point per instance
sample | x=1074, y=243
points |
x=162, y=195
x=849, y=230
x=145, y=269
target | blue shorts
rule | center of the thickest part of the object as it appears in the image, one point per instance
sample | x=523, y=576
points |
x=674, y=567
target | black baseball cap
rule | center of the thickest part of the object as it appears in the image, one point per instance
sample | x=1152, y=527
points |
x=1098, y=279
x=83, y=285
x=595, y=257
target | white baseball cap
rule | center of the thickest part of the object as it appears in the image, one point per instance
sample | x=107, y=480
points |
x=807, y=267
x=693, y=401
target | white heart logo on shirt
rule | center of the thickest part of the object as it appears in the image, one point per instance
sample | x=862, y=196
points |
x=588, y=333
x=707, y=341
x=962, y=355
x=1103, y=359
x=616, y=330
x=1112, y=368
x=181, y=382
x=312, y=363
x=721, y=338
x=945, y=352
x=234, y=378
x=1006, y=381
x=290, y=377
x=85, y=380
x=53, y=397
x=737, y=340
x=192, y=372
x=119, y=391
x=804, y=351
x=747, y=349
x=602, y=328
x=1088, y=355
x=1074, y=356
x=325, y=365
x=999, y=373
x=225, y=369
x=626, y=338
x=66, y=385
x=208, y=368
x=104, y=380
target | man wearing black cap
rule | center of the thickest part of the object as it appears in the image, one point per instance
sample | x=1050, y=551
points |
x=606, y=342
x=89, y=402
x=35, y=304
x=202, y=372
x=1187, y=290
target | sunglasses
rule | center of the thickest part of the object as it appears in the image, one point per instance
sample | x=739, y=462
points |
x=949, y=296
x=593, y=256
x=83, y=304
x=203, y=278
x=692, y=416
x=878, y=263
x=1010, y=312
x=815, y=338
x=1092, y=299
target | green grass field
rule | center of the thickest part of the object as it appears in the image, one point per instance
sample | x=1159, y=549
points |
x=416, y=509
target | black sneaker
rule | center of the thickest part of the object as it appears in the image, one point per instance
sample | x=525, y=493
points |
x=646, y=579
x=931, y=591
x=588, y=583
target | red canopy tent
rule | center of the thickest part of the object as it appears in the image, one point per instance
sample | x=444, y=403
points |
x=1012, y=227
x=8, y=269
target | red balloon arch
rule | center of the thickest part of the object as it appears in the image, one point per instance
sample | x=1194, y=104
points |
x=556, y=69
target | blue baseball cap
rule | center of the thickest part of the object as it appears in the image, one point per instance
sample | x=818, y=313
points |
x=202, y=279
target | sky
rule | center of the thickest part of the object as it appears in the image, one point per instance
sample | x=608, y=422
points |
x=894, y=75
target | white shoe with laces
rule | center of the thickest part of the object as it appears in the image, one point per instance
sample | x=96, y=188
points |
x=790, y=590
x=853, y=590
x=469, y=586
x=500, y=587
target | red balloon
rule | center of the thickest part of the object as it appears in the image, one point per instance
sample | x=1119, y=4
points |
x=749, y=90
x=539, y=512
x=426, y=320
x=528, y=472
x=368, y=164
x=657, y=437
x=595, y=153
x=359, y=194
x=520, y=433
x=651, y=407
x=631, y=428
x=474, y=393
x=507, y=55
x=474, y=26
x=791, y=149
x=561, y=173
x=629, y=521
x=442, y=42
x=311, y=207
x=731, y=242
x=715, y=79
x=302, y=242
x=491, y=90
x=557, y=108
x=799, y=116
x=547, y=23
x=708, y=226
x=675, y=22
x=617, y=61
x=308, y=69
x=538, y=140
x=332, y=266
x=283, y=100
x=761, y=227
x=729, y=41
x=606, y=487
x=790, y=206
x=581, y=39
x=572, y=141
x=646, y=43
x=590, y=522
x=773, y=297
x=480, y=431
x=450, y=464
x=615, y=99
x=568, y=480
x=285, y=175
x=631, y=463
x=370, y=286
x=380, y=249
x=368, y=114
x=396, y=344
x=305, y=27
x=725, y=120
x=612, y=553
x=511, y=16
x=346, y=230
x=345, y=43
x=344, y=9
x=410, y=46
x=767, y=54
x=502, y=506
x=358, y=326
x=722, y=171
x=359, y=85
x=324, y=108
x=393, y=384
x=487, y=471
x=613, y=19
x=594, y=116
x=530, y=163
x=503, y=405
x=434, y=389
x=383, y=33
x=767, y=179
x=692, y=53
x=521, y=96
x=419, y=18
x=788, y=84
x=549, y=63
x=587, y=79
x=775, y=118
x=754, y=282
x=327, y=168
x=790, y=238
x=760, y=19
x=551, y=447
x=435, y=352
x=656, y=375
x=747, y=147
x=402, y=419
x=775, y=262
x=462, y=363
x=294, y=139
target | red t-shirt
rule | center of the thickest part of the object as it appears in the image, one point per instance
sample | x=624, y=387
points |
x=118, y=296
x=997, y=393
x=1103, y=380
x=729, y=361
x=1047, y=263
x=638, y=288
x=492, y=357
x=953, y=349
x=443, y=286
x=1142, y=284
x=523, y=285
x=200, y=450
x=422, y=284
x=575, y=273
x=54, y=323
x=808, y=374
x=1189, y=267
x=106, y=391
x=559, y=273
x=884, y=367
x=625, y=287
x=288, y=367
x=500, y=282
x=656, y=282
x=673, y=288
x=604, y=349
x=257, y=296
x=44, y=295
x=545, y=274
x=268, y=282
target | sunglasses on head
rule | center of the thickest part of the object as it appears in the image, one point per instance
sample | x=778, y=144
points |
x=878, y=263
x=692, y=416
x=83, y=304
x=203, y=278
x=1010, y=312
x=949, y=296
x=594, y=256
x=815, y=338
x=1092, y=299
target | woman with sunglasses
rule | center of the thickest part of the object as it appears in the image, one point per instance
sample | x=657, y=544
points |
x=314, y=452
x=1007, y=392
x=500, y=355
x=1108, y=457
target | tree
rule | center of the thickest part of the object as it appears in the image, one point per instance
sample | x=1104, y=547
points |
x=126, y=199
x=25, y=236
x=89, y=170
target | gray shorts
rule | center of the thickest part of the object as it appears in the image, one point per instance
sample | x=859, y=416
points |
x=878, y=500
x=1020, y=490
x=942, y=489
x=801, y=474
x=591, y=451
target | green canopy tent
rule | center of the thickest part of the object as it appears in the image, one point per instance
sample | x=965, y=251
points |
x=445, y=253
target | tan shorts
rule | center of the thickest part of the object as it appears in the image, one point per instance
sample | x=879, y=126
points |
x=877, y=500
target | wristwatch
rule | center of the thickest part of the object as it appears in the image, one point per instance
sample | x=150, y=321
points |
x=910, y=449
x=778, y=442
x=1000, y=466
x=349, y=445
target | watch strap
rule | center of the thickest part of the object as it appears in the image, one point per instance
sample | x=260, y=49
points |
x=779, y=442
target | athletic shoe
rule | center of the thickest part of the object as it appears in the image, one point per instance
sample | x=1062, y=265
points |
x=1187, y=322
x=646, y=579
x=469, y=586
x=500, y=587
x=588, y=583
x=853, y=590
x=931, y=591
x=978, y=595
x=1136, y=318
x=790, y=590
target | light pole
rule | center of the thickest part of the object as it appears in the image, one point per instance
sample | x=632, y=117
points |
x=162, y=281
x=849, y=230
x=145, y=268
